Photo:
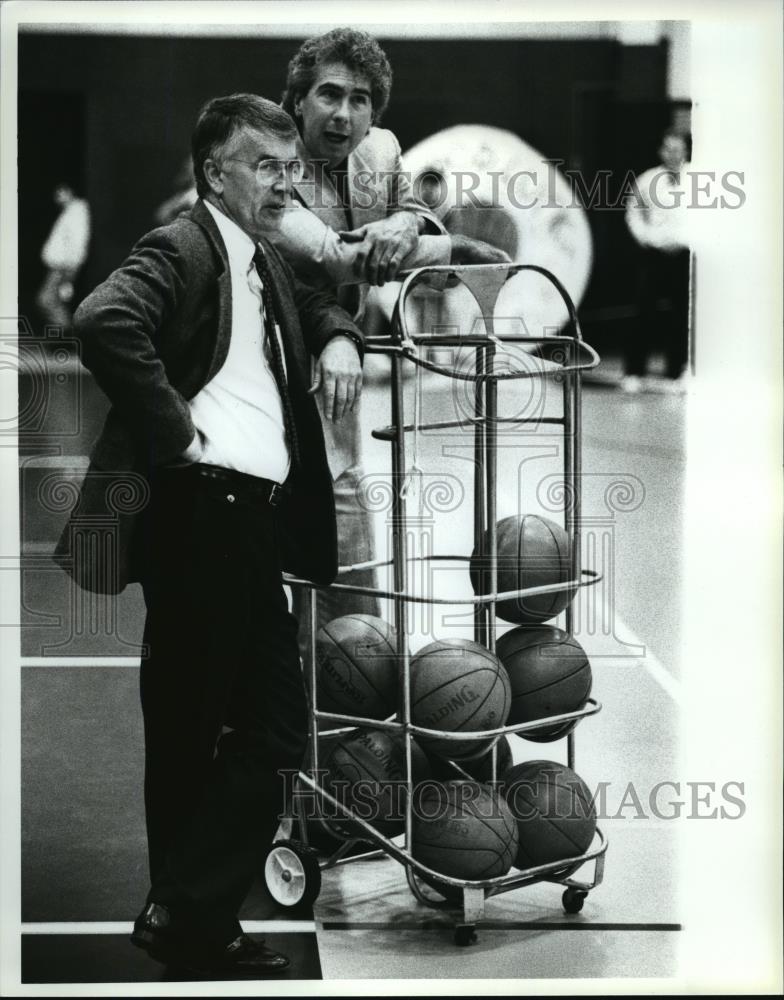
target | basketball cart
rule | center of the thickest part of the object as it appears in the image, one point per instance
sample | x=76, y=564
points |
x=293, y=869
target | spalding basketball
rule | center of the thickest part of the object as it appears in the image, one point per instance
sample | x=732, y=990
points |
x=464, y=830
x=366, y=772
x=554, y=810
x=532, y=552
x=357, y=667
x=458, y=686
x=550, y=675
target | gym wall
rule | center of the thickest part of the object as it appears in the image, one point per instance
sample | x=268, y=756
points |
x=116, y=112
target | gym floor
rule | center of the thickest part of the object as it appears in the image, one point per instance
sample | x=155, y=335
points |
x=84, y=862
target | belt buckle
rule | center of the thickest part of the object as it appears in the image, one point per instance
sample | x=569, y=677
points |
x=275, y=494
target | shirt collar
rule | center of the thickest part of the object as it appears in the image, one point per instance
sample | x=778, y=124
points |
x=239, y=246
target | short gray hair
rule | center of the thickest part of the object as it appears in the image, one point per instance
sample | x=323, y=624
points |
x=221, y=117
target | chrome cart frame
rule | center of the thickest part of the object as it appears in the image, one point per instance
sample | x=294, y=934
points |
x=294, y=869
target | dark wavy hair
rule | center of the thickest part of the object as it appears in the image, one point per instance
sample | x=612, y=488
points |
x=356, y=49
x=221, y=117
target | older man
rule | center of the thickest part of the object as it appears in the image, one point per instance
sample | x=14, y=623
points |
x=202, y=340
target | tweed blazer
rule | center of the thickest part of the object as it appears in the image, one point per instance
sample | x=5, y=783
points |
x=153, y=334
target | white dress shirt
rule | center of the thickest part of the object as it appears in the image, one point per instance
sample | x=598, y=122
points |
x=238, y=414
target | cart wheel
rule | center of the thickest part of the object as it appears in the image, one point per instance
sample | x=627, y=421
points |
x=573, y=899
x=292, y=874
x=465, y=935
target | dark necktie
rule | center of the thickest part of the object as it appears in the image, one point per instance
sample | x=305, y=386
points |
x=276, y=354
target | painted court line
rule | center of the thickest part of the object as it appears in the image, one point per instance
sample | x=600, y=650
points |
x=125, y=927
x=651, y=662
x=81, y=661
x=663, y=677
x=506, y=925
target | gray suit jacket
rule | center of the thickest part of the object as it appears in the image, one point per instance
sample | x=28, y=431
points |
x=153, y=334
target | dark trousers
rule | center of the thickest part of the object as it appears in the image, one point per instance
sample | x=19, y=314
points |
x=661, y=276
x=222, y=654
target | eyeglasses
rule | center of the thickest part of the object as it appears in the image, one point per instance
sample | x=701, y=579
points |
x=268, y=171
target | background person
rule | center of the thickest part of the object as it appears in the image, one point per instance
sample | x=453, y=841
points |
x=63, y=255
x=657, y=221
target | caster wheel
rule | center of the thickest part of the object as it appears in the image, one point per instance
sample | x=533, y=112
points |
x=573, y=899
x=465, y=935
x=292, y=874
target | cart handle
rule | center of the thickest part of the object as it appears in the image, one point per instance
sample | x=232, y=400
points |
x=412, y=356
x=591, y=707
x=506, y=595
x=486, y=281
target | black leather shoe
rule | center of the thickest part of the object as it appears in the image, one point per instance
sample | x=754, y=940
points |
x=153, y=931
x=243, y=957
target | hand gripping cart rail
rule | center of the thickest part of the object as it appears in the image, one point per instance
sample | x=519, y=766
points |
x=293, y=869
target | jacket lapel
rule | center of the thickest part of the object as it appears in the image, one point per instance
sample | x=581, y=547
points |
x=316, y=192
x=368, y=201
x=201, y=216
x=285, y=309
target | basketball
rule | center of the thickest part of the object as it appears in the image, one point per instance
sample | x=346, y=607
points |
x=464, y=830
x=357, y=667
x=366, y=772
x=554, y=810
x=550, y=675
x=458, y=686
x=480, y=768
x=532, y=552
